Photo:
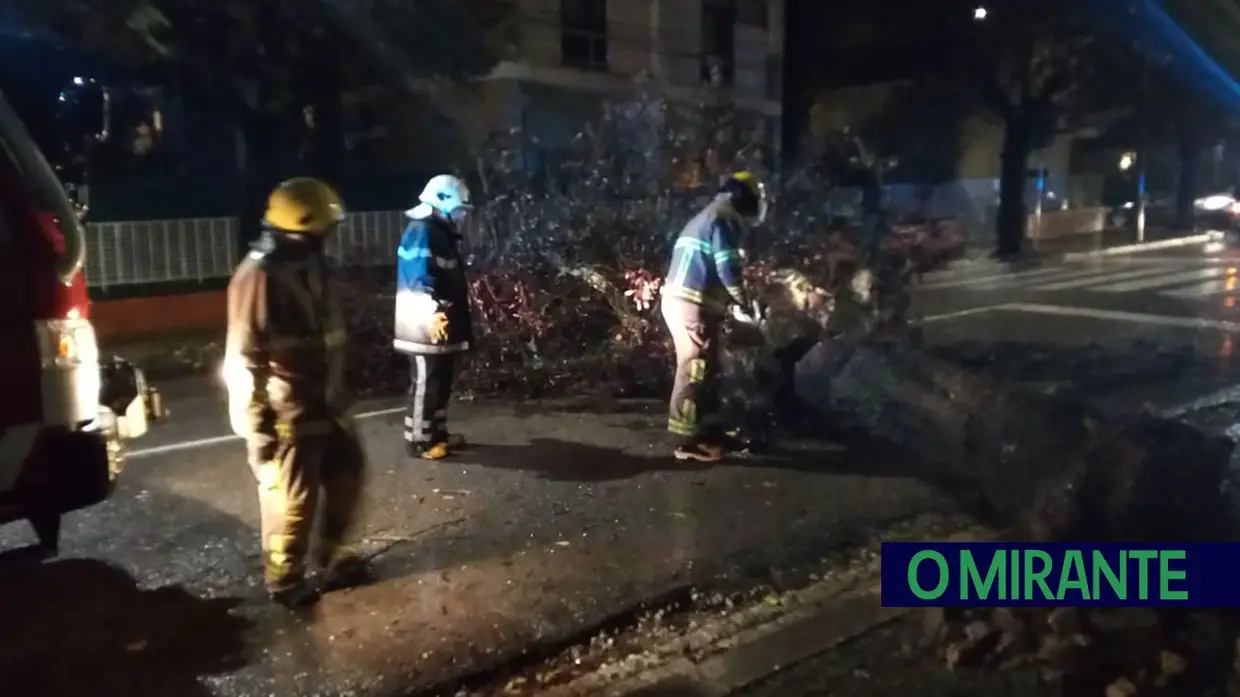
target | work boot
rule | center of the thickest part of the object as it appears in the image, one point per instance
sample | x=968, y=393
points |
x=437, y=450
x=293, y=593
x=700, y=452
x=347, y=570
x=456, y=441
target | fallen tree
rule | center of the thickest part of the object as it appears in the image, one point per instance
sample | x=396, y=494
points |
x=1049, y=468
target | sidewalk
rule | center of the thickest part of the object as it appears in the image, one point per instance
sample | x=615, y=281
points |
x=1105, y=243
x=1118, y=241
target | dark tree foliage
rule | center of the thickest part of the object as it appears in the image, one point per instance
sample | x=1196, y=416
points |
x=1035, y=65
x=272, y=62
x=919, y=130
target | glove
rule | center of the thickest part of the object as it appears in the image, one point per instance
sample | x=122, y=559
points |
x=439, y=328
x=743, y=316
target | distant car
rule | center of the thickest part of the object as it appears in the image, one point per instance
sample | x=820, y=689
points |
x=1219, y=212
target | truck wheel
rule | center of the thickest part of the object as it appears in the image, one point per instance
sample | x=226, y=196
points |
x=47, y=529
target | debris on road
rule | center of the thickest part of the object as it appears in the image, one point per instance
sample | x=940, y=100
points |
x=1110, y=651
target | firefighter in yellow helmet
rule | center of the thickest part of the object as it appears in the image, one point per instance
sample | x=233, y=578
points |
x=704, y=284
x=284, y=368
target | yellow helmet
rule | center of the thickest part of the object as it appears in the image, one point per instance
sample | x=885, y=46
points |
x=304, y=205
x=748, y=195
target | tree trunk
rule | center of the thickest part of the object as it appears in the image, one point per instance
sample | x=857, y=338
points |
x=1014, y=161
x=1049, y=468
x=1188, y=155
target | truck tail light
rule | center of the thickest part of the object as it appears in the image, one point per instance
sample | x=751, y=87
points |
x=66, y=343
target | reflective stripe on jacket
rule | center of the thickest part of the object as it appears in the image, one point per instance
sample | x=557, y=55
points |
x=706, y=265
x=430, y=278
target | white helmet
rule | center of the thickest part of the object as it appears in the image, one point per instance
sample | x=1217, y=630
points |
x=444, y=193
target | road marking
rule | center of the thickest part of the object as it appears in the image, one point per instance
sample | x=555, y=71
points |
x=1203, y=239
x=1096, y=277
x=960, y=313
x=1169, y=280
x=1137, y=317
x=1205, y=289
x=1160, y=281
x=993, y=277
x=231, y=438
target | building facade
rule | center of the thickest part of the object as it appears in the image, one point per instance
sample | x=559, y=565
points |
x=564, y=58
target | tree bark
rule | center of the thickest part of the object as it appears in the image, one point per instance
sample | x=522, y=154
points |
x=1011, y=221
x=1048, y=468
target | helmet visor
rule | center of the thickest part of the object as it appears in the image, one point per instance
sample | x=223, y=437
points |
x=760, y=190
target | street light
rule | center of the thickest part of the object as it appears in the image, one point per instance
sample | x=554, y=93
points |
x=979, y=13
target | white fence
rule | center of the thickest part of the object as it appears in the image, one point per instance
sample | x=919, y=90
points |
x=128, y=253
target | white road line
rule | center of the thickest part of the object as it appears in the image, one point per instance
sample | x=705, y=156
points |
x=960, y=313
x=1148, y=246
x=1160, y=281
x=1173, y=261
x=230, y=438
x=1205, y=289
x=1137, y=317
x=1097, y=277
x=997, y=278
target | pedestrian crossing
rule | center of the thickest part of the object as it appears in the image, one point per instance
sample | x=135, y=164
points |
x=1186, y=280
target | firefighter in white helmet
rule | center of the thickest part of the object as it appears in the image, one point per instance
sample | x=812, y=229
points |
x=433, y=321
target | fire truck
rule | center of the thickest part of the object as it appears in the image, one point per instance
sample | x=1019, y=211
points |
x=65, y=409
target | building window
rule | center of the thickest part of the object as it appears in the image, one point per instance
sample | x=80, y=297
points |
x=583, y=33
x=718, y=41
x=751, y=13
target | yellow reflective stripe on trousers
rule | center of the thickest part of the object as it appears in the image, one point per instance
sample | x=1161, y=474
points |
x=681, y=428
x=697, y=370
x=685, y=421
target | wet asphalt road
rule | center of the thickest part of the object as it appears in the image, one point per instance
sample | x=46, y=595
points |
x=556, y=520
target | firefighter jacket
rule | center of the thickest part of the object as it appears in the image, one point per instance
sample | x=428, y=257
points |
x=706, y=263
x=285, y=351
x=430, y=278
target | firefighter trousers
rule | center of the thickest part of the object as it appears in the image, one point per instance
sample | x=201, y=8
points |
x=308, y=473
x=695, y=389
x=430, y=390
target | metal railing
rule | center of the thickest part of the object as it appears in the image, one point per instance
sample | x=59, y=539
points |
x=367, y=238
x=160, y=251
x=135, y=253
